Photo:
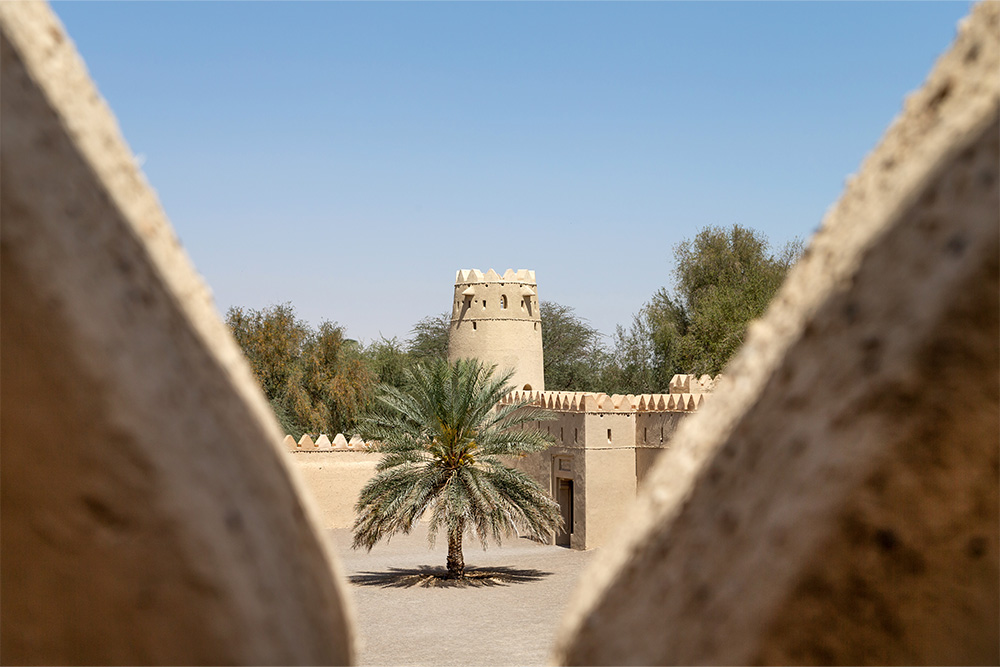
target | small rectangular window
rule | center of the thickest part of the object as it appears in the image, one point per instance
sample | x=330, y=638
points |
x=661, y=435
x=576, y=436
x=644, y=439
x=609, y=436
x=561, y=439
x=473, y=326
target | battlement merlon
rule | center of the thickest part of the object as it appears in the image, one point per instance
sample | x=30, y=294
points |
x=474, y=276
x=323, y=443
x=598, y=402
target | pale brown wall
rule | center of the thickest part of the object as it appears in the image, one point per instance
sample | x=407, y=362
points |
x=510, y=338
x=645, y=460
x=655, y=429
x=540, y=466
x=653, y=434
x=565, y=427
x=621, y=425
x=505, y=343
x=335, y=479
x=604, y=473
x=610, y=493
x=610, y=481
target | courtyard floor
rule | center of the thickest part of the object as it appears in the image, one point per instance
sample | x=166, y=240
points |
x=506, y=614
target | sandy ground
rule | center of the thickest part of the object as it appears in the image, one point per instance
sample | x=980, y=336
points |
x=507, y=614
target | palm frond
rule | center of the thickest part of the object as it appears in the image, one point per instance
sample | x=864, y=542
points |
x=442, y=442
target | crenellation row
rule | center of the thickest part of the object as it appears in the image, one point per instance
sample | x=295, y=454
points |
x=692, y=384
x=323, y=443
x=509, y=276
x=585, y=401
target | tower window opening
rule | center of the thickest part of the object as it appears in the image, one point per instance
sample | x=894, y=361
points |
x=473, y=326
x=503, y=302
x=576, y=436
x=536, y=326
x=609, y=436
x=661, y=435
x=644, y=438
x=561, y=438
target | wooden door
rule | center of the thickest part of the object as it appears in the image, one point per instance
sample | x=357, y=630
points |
x=565, y=499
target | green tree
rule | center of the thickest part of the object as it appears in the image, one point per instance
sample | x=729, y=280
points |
x=724, y=278
x=330, y=384
x=443, y=442
x=388, y=361
x=571, y=348
x=632, y=368
x=271, y=340
x=430, y=338
x=315, y=380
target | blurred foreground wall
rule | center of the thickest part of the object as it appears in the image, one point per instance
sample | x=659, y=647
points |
x=148, y=513
x=838, y=501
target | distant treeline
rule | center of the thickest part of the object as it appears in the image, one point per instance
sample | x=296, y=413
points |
x=317, y=381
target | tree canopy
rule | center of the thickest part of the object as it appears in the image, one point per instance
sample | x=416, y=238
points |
x=429, y=338
x=724, y=278
x=315, y=380
x=572, y=351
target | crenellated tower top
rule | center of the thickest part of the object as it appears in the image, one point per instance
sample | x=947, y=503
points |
x=466, y=276
x=495, y=318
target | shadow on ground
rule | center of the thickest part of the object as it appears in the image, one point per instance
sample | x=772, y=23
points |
x=426, y=576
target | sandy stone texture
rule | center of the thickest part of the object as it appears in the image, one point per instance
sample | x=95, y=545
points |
x=149, y=515
x=838, y=501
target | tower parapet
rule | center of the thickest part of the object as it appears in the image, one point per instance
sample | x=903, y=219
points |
x=495, y=319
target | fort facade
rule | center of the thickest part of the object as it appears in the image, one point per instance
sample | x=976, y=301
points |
x=604, y=445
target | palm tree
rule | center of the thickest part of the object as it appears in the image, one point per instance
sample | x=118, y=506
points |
x=444, y=439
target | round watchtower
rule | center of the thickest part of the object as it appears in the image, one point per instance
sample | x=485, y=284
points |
x=495, y=319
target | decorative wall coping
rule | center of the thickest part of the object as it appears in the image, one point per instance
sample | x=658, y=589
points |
x=586, y=401
x=681, y=399
x=324, y=444
x=465, y=276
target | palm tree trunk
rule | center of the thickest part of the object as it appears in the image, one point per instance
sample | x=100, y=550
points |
x=456, y=561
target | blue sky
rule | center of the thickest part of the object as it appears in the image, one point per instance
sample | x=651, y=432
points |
x=350, y=157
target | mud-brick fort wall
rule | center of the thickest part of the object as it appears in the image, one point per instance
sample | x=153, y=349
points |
x=605, y=446
x=334, y=470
